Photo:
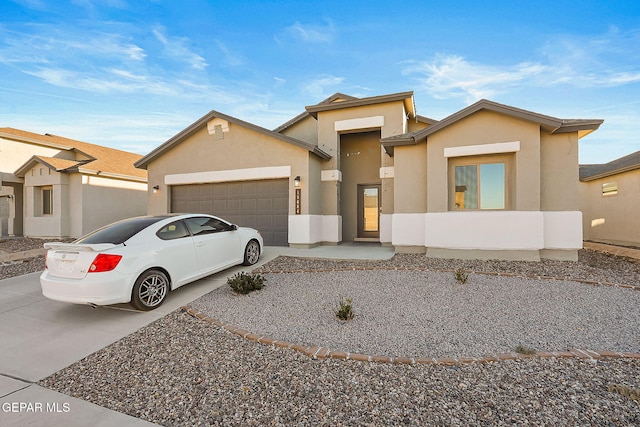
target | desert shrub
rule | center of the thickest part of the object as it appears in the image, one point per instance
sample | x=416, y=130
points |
x=344, y=311
x=461, y=275
x=243, y=283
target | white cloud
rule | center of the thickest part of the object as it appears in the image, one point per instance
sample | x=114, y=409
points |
x=321, y=87
x=229, y=57
x=175, y=47
x=453, y=76
x=313, y=33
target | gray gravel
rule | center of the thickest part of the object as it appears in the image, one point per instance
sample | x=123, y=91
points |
x=180, y=371
x=184, y=371
x=430, y=314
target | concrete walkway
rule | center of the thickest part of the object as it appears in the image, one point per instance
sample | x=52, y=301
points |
x=40, y=337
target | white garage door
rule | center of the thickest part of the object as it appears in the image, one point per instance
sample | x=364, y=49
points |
x=263, y=205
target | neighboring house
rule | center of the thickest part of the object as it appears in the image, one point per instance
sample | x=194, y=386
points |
x=610, y=201
x=58, y=187
x=490, y=181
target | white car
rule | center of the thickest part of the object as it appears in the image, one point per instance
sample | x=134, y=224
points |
x=139, y=260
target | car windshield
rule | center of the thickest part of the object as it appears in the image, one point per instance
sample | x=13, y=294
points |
x=119, y=232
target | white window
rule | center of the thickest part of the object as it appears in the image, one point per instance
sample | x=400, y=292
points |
x=479, y=183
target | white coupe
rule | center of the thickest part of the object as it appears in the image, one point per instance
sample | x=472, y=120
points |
x=139, y=260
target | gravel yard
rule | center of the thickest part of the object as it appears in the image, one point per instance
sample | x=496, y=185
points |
x=184, y=371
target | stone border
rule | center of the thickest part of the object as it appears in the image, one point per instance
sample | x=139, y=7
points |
x=317, y=352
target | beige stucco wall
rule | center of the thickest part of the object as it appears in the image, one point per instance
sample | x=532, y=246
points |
x=410, y=170
x=240, y=149
x=612, y=219
x=81, y=203
x=304, y=130
x=14, y=154
x=105, y=201
x=55, y=225
x=559, y=175
x=483, y=127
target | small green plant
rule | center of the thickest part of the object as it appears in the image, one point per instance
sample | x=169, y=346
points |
x=623, y=390
x=461, y=275
x=522, y=349
x=345, y=309
x=243, y=283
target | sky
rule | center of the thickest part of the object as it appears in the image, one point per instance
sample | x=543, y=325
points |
x=131, y=74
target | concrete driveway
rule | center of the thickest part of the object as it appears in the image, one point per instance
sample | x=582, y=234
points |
x=40, y=337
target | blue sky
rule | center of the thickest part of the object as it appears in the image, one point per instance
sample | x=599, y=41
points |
x=131, y=74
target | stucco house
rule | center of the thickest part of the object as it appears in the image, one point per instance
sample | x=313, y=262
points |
x=489, y=181
x=610, y=201
x=52, y=186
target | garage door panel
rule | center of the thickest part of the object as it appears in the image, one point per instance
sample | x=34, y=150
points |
x=263, y=205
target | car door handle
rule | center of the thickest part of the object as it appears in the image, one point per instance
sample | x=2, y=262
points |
x=200, y=244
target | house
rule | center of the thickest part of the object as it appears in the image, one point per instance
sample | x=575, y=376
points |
x=610, y=201
x=489, y=181
x=58, y=187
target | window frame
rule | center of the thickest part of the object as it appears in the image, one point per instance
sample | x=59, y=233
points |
x=506, y=159
x=46, y=202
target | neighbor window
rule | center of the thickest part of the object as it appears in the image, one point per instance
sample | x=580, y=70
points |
x=609, y=188
x=47, y=200
x=479, y=183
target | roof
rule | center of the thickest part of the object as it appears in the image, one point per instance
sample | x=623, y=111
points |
x=339, y=101
x=90, y=158
x=202, y=122
x=623, y=164
x=550, y=124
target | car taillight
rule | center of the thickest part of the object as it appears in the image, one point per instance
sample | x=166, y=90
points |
x=46, y=267
x=104, y=262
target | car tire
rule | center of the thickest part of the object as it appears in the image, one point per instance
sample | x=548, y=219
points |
x=251, y=253
x=150, y=290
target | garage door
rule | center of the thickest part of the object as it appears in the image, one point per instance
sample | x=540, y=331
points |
x=263, y=205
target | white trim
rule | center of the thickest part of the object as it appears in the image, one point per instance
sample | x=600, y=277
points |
x=360, y=123
x=475, y=150
x=386, y=228
x=312, y=229
x=270, y=172
x=408, y=229
x=387, y=172
x=496, y=230
x=211, y=125
x=331, y=175
x=562, y=230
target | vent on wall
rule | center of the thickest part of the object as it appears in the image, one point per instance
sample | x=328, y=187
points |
x=218, y=127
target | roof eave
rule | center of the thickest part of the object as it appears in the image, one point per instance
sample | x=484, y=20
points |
x=359, y=102
x=610, y=173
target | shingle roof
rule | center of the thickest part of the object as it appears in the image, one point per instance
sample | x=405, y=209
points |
x=97, y=159
x=623, y=164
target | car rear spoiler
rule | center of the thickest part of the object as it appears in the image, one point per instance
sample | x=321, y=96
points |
x=97, y=247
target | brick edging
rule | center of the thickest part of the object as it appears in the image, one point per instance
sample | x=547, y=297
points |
x=317, y=352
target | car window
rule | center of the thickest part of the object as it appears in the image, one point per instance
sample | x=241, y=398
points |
x=119, y=232
x=175, y=230
x=206, y=225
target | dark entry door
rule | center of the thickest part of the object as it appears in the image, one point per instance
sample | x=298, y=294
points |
x=369, y=211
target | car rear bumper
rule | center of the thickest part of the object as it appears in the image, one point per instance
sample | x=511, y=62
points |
x=96, y=288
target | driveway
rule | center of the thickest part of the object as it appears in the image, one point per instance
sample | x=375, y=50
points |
x=39, y=337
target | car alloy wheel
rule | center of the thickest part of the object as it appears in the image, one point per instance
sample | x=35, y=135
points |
x=251, y=253
x=150, y=290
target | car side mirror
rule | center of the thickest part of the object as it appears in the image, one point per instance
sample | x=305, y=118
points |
x=235, y=227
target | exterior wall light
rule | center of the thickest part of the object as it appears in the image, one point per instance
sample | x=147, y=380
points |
x=296, y=181
x=156, y=188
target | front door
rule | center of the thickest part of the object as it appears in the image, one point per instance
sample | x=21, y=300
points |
x=369, y=211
